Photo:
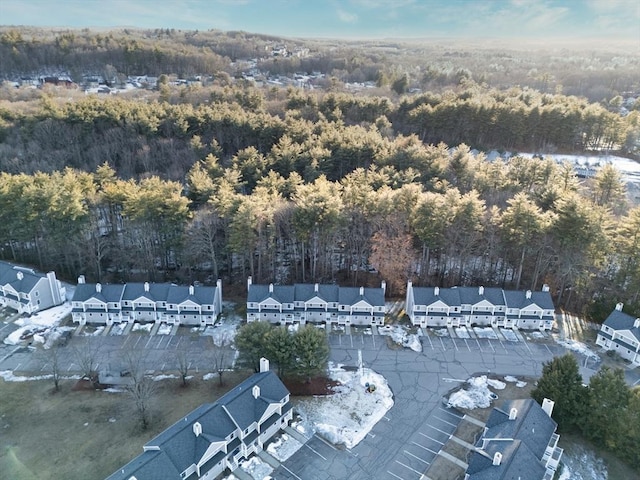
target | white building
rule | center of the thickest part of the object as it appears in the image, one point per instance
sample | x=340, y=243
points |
x=620, y=333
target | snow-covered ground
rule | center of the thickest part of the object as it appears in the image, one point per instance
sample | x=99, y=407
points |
x=579, y=462
x=283, y=447
x=577, y=347
x=476, y=393
x=401, y=336
x=509, y=334
x=164, y=329
x=351, y=412
x=256, y=468
x=142, y=327
x=462, y=332
x=485, y=332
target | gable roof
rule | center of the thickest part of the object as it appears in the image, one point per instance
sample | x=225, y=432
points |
x=618, y=320
x=306, y=291
x=430, y=295
x=518, y=299
x=472, y=295
x=352, y=295
x=517, y=462
x=177, y=448
x=107, y=293
x=281, y=293
x=21, y=279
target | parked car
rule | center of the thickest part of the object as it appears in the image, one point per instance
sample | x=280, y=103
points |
x=64, y=338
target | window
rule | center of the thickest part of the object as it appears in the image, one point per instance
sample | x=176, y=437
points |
x=37, y=293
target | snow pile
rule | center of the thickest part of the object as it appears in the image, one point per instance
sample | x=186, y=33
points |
x=441, y=332
x=486, y=332
x=8, y=376
x=118, y=328
x=477, y=393
x=157, y=378
x=142, y=327
x=256, y=468
x=349, y=414
x=509, y=334
x=461, y=332
x=578, y=347
x=164, y=329
x=511, y=379
x=283, y=447
x=402, y=337
x=579, y=462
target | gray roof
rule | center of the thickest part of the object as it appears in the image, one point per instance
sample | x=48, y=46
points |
x=153, y=291
x=618, y=320
x=472, y=295
x=428, y=296
x=522, y=443
x=518, y=299
x=107, y=293
x=201, y=295
x=303, y=292
x=177, y=448
x=9, y=276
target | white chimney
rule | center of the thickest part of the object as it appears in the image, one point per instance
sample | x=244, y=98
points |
x=497, y=458
x=20, y=275
x=98, y=287
x=409, y=285
x=55, y=288
x=315, y=287
x=249, y=282
x=545, y=288
x=191, y=289
x=361, y=291
x=197, y=429
x=81, y=280
x=264, y=365
x=480, y=290
x=255, y=391
x=271, y=288
x=619, y=306
x=513, y=414
x=636, y=323
x=547, y=406
x=146, y=286
x=528, y=294
x=383, y=286
x=436, y=291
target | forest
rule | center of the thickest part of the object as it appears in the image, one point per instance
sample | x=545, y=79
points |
x=191, y=183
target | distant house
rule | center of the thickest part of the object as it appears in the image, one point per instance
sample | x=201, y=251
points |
x=519, y=441
x=27, y=291
x=146, y=302
x=620, y=333
x=216, y=436
x=315, y=303
x=467, y=306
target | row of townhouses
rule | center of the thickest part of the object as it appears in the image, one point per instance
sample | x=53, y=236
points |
x=467, y=306
x=146, y=302
x=28, y=291
x=518, y=441
x=620, y=333
x=315, y=303
x=216, y=436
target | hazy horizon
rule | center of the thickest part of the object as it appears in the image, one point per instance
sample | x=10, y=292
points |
x=526, y=21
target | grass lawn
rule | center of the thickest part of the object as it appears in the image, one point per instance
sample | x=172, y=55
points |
x=86, y=434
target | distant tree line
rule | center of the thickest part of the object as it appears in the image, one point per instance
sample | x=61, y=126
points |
x=606, y=412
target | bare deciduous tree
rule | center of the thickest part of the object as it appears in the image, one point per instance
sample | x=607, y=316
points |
x=221, y=355
x=50, y=358
x=142, y=387
x=87, y=355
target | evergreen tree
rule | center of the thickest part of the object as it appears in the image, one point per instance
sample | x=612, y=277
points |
x=251, y=343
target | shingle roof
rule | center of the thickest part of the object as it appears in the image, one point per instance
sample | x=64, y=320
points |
x=307, y=291
x=108, y=293
x=281, y=293
x=618, y=320
x=157, y=292
x=428, y=296
x=518, y=299
x=303, y=292
x=177, y=448
x=518, y=462
x=21, y=283
x=472, y=295
x=351, y=296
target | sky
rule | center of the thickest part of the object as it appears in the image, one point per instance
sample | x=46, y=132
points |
x=349, y=19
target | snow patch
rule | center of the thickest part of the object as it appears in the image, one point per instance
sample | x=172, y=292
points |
x=578, y=347
x=256, y=468
x=476, y=394
x=283, y=447
x=401, y=336
x=142, y=327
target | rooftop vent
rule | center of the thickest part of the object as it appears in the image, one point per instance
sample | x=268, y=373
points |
x=513, y=414
x=255, y=391
x=197, y=429
x=497, y=458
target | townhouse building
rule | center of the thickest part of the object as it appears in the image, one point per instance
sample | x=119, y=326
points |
x=216, y=436
x=470, y=306
x=146, y=302
x=620, y=333
x=28, y=291
x=518, y=441
x=315, y=303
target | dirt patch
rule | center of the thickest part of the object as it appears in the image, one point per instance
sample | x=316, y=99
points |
x=316, y=386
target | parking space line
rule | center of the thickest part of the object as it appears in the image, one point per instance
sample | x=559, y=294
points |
x=373, y=339
x=326, y=443
x=425, y=448
x=69, y=369
x=407, y=466
x=465, y=341
x=491, y=345
x=315, y=451
x=505, y=348
x=548, y=349
x=437, y=429
x=294, y=473
x=430, y=342
x=416, y=457
x=454, y=343
x=526, y=344
x=138, y=341
x=351, y=338
x=158, y=346
x=148, y=341
x=478, y=342
x=432, y=439
x=393, y=474
x=444, y=421
x=443, y=347
x=446, y=410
